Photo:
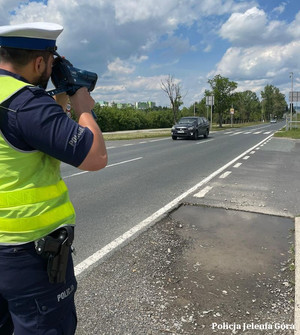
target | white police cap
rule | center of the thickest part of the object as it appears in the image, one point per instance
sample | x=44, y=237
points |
x=32, y=36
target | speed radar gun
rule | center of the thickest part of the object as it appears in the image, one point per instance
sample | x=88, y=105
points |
x=69, y=79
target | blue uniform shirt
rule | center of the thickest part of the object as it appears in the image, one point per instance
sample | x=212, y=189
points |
x=32, y=120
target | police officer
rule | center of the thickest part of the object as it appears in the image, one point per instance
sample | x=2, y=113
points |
x=35, y=135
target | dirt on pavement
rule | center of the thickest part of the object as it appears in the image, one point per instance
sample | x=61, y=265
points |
x=199, y=271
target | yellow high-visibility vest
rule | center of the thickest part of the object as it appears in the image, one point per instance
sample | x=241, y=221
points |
x=34, y=200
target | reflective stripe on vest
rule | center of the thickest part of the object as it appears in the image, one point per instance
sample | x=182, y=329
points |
x=31, y=195
x=34, y=200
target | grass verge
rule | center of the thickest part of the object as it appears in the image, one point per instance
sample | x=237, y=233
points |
x=293, y=133
x=136, y=135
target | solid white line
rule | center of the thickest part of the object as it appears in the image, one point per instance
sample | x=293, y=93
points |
x=119, y=163
x=203, y=192
x=124, y=162
x=225, y=174
x=75, y=174
x=159, y=139
x=205, y=141
x=297, y=277
x=98, y=255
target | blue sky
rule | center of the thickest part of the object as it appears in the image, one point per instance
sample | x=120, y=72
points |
x=135, y=44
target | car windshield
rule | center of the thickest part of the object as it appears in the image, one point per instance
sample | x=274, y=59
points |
x=187, y=120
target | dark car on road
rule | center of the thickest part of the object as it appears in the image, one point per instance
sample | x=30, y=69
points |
x=190, y=127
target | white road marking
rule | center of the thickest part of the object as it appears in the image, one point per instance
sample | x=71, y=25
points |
x=119, y=163
x=247, y=132
x=246, y=157
x=237, y=165
x=205, y=141
x=159, y=139
x=141, y=142
x=225, y=174
x=297, y=276
x=203, y=192
x=100, y=254
x=75, y=174
x=237, y=133
x=124, y=162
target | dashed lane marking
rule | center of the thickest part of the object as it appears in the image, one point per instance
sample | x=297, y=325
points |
x=203, y=192
x=225, y=174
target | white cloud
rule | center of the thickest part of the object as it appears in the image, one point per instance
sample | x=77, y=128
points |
x=294, y=28
x=120, y=67
x=258, y=61
x=263, y=51
x=253, y=68
x=280, y=9
x=6, y=9
x=208, y=48
x=252, y=28
x=133, y=89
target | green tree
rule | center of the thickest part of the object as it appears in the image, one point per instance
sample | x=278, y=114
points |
x=222, y=89
x=247, y=105
x=199, y=108
x=273, y=102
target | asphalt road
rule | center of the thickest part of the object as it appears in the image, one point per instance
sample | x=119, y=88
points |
x=142, y=176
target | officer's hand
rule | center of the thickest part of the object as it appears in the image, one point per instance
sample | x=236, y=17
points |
x=82, y=102
x=62, y=99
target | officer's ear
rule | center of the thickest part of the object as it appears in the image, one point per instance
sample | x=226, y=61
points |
x=39, y=64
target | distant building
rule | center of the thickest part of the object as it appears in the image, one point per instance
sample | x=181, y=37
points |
x=103, y=103
x=138, y=105
x=124, y=105
x=144, y=105
x=151, y=104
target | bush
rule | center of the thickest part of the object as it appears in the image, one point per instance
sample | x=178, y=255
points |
x=113, y=119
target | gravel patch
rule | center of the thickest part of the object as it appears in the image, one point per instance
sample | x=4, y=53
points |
x=178, y=278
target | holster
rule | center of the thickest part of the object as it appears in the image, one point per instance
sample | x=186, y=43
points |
x=56, y=248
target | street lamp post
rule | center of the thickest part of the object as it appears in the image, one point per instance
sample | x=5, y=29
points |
x=291, y=117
